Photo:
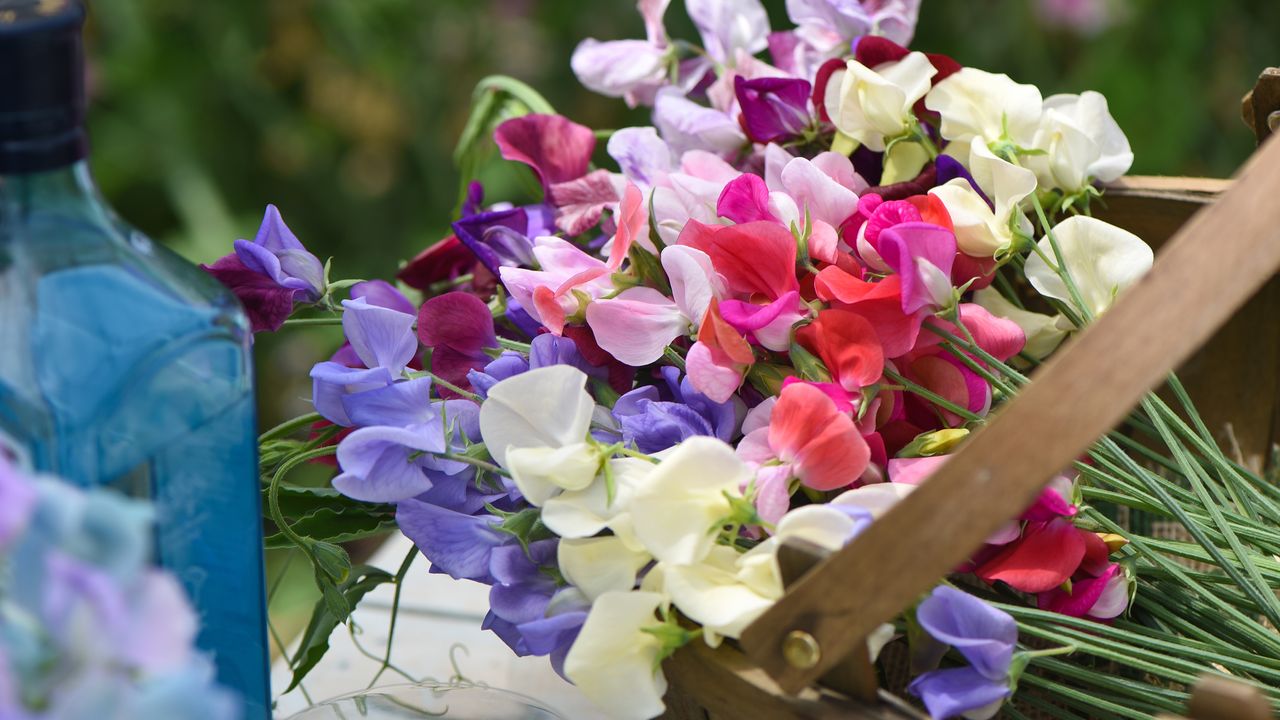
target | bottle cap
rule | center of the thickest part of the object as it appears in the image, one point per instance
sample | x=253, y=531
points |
x=41, y=85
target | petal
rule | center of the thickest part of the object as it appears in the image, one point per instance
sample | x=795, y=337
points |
x=547, y=407
x=398, y=404
x=457, y=320
x=636, y=326
x=540, y=472
x=959, y=691
x=582, y=201
x=380, y=336
x=613, y=662
x=817, y=193
x=1043, y=559
x=378, y=466
x=458, y=545
x=1102, y=259
x=694, y=282
x=985, y=635
x=600, y=564
x=556, y=148
x=641, y=155
x=618, y=67
x=718, y=382
x=745, y=199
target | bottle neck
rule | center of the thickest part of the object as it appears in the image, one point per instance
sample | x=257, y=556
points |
x=66, y=188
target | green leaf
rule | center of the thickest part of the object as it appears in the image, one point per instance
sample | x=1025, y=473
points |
x=338, y=524
x=646, y=266
x=526, y=526
x=315, y=640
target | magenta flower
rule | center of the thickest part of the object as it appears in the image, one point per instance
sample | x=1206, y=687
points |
x=271, y=273
x=458, y=328
x=774, y=109
x=922, y=254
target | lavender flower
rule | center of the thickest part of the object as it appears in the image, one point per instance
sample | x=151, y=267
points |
x=652, y=423
x=382, y=340
x=985, y=636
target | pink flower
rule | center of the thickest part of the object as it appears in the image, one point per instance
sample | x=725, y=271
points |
x=556, y=148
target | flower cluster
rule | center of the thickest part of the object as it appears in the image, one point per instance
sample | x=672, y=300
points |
x=87, y=629
x=801, y=288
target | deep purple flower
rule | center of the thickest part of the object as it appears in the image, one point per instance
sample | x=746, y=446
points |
x=984, y=635
x=949, y=168
x=774, y=109
x=498, y=238
x=270, y=273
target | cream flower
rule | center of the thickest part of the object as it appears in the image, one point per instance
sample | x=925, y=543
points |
x=547, y=407
x=1102, y=260
x=599, y=564
x=674, y=513
x=871, y=106
x=974, y=103
x=1082, y=142
x=981, y=230
x=614, y=662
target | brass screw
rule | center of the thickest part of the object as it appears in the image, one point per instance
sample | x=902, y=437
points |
x=801, y=650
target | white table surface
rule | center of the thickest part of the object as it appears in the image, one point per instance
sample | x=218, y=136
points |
x=436, y=612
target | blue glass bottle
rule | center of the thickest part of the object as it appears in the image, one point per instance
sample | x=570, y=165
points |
x=120, y=363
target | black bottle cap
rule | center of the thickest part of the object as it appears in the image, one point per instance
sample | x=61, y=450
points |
x=41, y=85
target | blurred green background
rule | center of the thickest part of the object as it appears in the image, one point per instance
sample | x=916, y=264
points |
x=344, y=112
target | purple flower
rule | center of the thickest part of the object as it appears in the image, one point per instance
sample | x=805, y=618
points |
x=390, y=464
x=546, y=349
x=653, y=424
x=830, y=24
x=521, y=591
x=555, y=633
x=774, y=109
x=498, y=237
x=508, y=364
x=382, y=294
x=459, y=545
x=383, y=342
x=985, y=636
x=270, y=273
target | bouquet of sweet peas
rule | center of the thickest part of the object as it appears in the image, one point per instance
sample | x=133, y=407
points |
x=794, y=296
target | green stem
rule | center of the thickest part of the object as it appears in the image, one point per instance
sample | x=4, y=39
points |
x=306, y=322
x=395, y=611
x=289, y=427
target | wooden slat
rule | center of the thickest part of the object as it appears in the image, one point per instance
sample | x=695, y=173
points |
x=731, y=687
x=1203, y=276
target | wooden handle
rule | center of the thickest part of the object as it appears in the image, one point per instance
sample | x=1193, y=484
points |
x=1204, y=274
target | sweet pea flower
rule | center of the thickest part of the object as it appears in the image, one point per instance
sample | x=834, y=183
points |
x=686, y=125
x=458, y=328
x=807, y=438
x=675, y=512
x=1100, y=597
x=383, y=341
x=515, y=412
x=1101, y=258
x=597, y=565
x=829, y=25
x=985, y=230
x=773, y=109
x=1044, y=332
x=1082, y=143
x=690, y=192
x=644, y=158
x=575, y=514
x=978, y=104
x=728, y=26
x=717, y=363
x=555, y=148
x=630, y=69
x=879, y=304
x=875, y=105
x=548, y=294
x=270, y=273
x=848, y=345
x=922, y=254
x=652, y=424
x=614, y=662
x=985, y=636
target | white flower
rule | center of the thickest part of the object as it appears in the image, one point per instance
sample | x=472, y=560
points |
x=1081, y=141
x=584, y=513
x=547, y=407
x=983, y=231
x=1102, y=260
x=541, y=471
x=614, y=661
x=974, y=103
x=872, y=105
x=599, y=564
x=1044, y=332
x=685, y=496
x=724, y=592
